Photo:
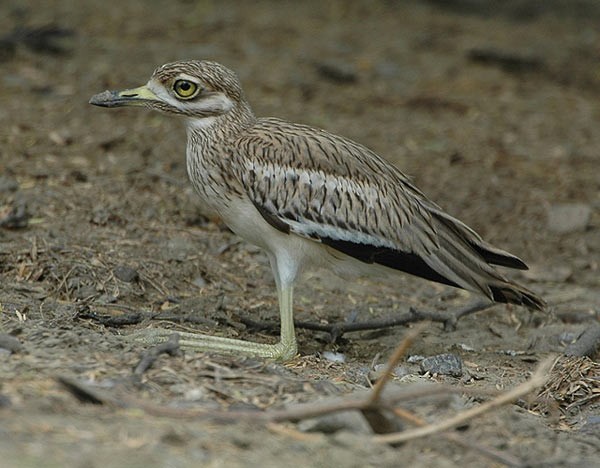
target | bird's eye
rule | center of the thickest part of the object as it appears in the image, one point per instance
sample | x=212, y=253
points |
x=185, y=89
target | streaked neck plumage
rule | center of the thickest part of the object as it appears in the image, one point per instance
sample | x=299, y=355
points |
x=208, y=164
x=222, y=127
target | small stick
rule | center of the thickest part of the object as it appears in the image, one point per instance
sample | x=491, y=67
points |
x=337, y=329
x=380, y=421
x=538, y=378
x=393, y=362
x=501, y=457
x=86, y=393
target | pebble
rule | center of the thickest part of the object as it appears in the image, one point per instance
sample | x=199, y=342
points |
x=567, y=338
x=443, y=364
x=592, y=425
x=334, y=357
x=569, y=217
x=8, y=185
x=10, y=343
x=126, y=273
x=199, y=282
x=379, y=369
x=179, y=249
x=337, y=72
x=351, y=421
x=466, y=347
x=415, y=358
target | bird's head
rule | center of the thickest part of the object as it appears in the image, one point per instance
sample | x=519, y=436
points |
x=196, y=89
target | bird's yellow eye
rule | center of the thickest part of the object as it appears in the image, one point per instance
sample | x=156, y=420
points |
x=185, y=89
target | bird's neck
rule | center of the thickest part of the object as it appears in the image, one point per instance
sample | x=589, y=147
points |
x=207, y=159
x=222, y=127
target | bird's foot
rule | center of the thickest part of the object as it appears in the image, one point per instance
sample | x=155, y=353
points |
x=282, y=351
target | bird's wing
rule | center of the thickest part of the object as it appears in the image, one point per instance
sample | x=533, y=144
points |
x=327, y=188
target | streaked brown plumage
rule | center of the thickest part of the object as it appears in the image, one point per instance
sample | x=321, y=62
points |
x=311, y=198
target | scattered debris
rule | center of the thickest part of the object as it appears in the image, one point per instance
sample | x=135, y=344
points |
x=574, y=382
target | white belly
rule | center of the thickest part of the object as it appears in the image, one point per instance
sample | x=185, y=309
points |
x=292, y=253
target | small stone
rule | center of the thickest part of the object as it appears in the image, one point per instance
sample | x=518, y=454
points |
x=592, y=425
x=410, y=379
x=100, y=216
x=10, y=343
x=14, y=217
x=8, y=185
x=106, y=298
x=334, y=357
x=442, y=364
x=126, y=273
x=60, y=138
x=337, y=72
x=567, y=338
x=85, y=292
x=350, y=421
x=569, y=217
x=379, y=369
x=199, y=282
x=413, y=359
x=178, y=249
x=174, y=437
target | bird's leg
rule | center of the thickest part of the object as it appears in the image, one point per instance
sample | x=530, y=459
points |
x=282, y=351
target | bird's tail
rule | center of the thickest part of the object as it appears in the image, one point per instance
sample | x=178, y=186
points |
x=466, y=260
x=512, y=293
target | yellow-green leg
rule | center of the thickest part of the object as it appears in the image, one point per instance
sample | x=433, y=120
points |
x=284, y=350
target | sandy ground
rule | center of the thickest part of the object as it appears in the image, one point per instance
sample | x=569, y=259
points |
x=493, y=111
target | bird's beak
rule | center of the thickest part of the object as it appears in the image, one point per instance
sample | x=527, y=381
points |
x=128, y=97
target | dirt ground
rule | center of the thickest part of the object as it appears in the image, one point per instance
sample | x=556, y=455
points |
x=493, y=110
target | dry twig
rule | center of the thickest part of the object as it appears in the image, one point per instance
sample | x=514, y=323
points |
x=538, y=379
x=337, y=329
x=496, y=455
x=378, y=419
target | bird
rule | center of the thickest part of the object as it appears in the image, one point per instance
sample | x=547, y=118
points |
x=310, y=199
